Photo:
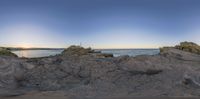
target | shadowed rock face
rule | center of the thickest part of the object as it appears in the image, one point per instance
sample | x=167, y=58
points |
x=171, y=73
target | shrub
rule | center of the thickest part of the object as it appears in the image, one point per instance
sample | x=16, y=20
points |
x=189, y=47
x=5, y=52
x=77, y=50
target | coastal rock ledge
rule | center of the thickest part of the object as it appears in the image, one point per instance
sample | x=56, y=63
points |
x=80, y=73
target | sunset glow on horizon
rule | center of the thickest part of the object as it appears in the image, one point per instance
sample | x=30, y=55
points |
x=98, y=23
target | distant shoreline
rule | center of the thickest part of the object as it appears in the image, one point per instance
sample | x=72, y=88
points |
x=17, y=49
x=128, y=49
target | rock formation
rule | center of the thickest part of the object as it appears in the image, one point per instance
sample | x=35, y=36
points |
x=79, y=74
x=189, y=47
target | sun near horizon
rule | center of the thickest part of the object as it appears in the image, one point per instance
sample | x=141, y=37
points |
x=111, y=24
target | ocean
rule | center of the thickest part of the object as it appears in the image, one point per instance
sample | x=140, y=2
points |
x=130, y=52
x=115, y=52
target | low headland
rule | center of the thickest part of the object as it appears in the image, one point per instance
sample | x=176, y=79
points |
x=82, y=73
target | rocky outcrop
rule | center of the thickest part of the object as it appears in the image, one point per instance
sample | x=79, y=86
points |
x=77, y=50
x=173, y=72
x=189, y=47
x=6, y=52
x=80, y=51
x=185, y=46
x=179, y=54
x=12, y=71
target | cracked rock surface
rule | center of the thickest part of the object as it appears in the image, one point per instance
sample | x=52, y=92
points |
x=170, y=73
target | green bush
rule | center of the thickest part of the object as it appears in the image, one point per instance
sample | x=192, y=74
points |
x=77, y=50
x=163, y=49
x=189, y=47
x=5, y=52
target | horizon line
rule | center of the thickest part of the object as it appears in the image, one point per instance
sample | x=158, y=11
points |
x=81, y=46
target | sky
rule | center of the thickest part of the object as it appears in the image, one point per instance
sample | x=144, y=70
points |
x=99, y=23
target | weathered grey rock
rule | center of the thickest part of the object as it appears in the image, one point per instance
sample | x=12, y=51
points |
x=12, y=71
x=173, y=72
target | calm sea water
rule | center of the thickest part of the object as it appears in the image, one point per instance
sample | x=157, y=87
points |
x=115, y=52
x=36, y=53
x=131, y=52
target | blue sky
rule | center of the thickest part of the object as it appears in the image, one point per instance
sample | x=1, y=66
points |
x=99, y=23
